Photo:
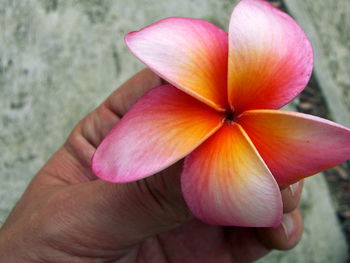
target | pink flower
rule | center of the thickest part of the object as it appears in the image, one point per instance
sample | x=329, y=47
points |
x=220, y=112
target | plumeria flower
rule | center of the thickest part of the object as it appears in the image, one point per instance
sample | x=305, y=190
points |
x=220, y=113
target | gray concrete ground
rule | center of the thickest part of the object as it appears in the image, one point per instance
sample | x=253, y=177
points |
x=327, y=24
x=59, y=59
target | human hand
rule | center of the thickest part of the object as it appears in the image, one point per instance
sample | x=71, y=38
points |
x=67, y=214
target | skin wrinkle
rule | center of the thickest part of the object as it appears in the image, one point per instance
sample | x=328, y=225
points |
x=166, y=256
x=102, y=114
x=72, y=147
x=144, y=184
x=68, y=162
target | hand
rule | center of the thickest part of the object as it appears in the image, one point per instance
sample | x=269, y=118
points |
x=69, y=215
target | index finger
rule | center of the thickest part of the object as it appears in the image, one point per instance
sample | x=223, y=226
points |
x=127, y=94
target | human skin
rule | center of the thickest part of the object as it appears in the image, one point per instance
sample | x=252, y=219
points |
x=67, y=214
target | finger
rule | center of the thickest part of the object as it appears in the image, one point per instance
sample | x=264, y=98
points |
x=124, y=97
x=286, y=235
x=128, y=213
x=291, y=196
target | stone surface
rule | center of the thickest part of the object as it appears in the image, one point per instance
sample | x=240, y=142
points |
x=59, y=59
x=327, y=24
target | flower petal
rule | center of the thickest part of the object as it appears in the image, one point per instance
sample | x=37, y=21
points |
x=160, y=129
x=296, y=145
x=270, y=57
x=189, y=53
x=225, y=182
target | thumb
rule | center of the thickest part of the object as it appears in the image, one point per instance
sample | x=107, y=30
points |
x=134, y=211
x=130, y=212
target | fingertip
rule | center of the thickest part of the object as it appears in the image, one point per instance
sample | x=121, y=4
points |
x=285, y=236
x=291, y=196
x=128, y=93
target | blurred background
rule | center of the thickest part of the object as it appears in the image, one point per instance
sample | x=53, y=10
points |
x=60, y=59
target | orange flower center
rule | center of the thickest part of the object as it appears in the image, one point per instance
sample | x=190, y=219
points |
x=230, y=116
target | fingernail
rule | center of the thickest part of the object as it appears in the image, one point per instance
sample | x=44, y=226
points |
x=288, y=225
x=293, y=188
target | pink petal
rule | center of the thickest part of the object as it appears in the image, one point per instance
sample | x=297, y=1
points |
x=296, y=145
x=270, y=57
x=225, y=182
x=160, y=129
x=189, y=53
